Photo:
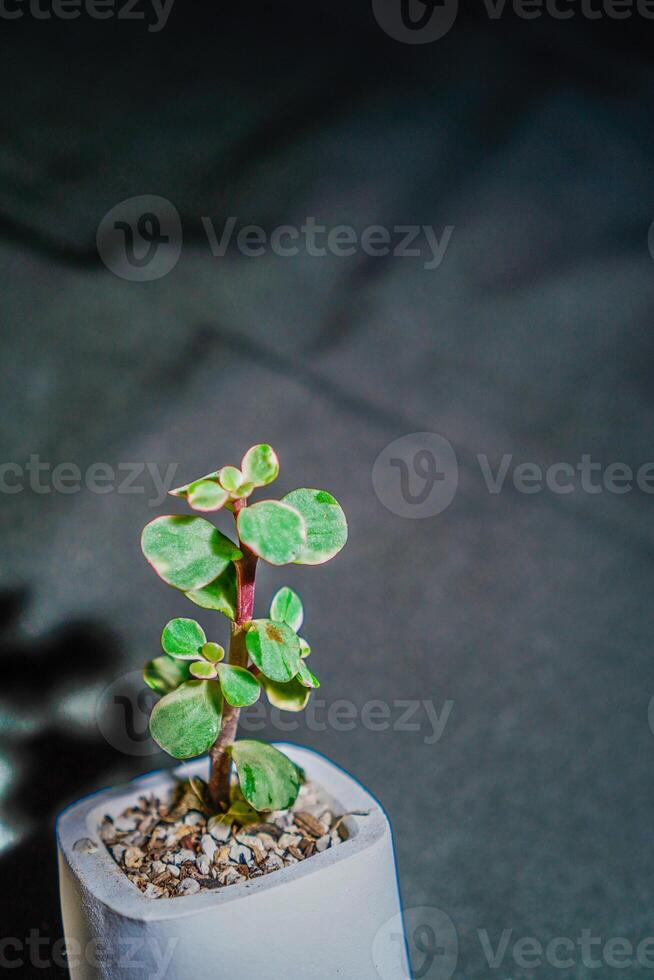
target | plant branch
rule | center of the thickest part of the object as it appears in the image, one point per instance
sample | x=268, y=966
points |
x=221, y=762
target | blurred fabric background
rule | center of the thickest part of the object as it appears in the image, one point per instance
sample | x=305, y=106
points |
x=529, y=614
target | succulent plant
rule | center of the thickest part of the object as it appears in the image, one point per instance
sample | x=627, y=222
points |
x=202, y=688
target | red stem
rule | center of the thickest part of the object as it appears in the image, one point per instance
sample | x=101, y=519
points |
x=221, y=762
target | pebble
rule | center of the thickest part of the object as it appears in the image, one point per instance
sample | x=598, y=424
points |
x=184, y=855
x=169, y=848
x=188, y=887
x=133, y=857
x=208, y=846
x=117, y=851
x=123, y=825
x=229, y=877
x=240, y=854
x=220, y=830
x=193, y=818
x=203, y=865
x=153, y=891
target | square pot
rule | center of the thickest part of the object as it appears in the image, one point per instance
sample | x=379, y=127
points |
x=316, y=920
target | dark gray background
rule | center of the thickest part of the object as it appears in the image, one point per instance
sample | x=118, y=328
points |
x=530, y=613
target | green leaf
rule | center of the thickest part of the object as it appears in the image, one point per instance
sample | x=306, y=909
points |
x=287, y=697
x=305, y=649
x=230, y=477
x=187, y=552
x=186, y=723
x=219, y=594
x=273, y=530
x=325, y=523
x=163, y=674
x=306, y=678
x=207, y=495
x=286, y=607
x=260, y=465
x=213, y=652
x=183, y=639
x=274, y=648
x=183, y=491
x=269, y=781
x=203, y=670
x=239, y=687
x=242, y=813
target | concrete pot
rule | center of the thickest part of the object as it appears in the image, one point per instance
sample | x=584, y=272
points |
x=318, y=920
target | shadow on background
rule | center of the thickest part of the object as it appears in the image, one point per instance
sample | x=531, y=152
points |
x=53, y=766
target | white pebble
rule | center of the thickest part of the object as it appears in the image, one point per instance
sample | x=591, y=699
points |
x=220, y=830
x=203, y=865
x=240, y=854
x=208, y=846
x=184, y=855
x=188, y=887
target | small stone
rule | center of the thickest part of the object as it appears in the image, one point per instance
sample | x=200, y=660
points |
x=229, y=877
x=203, y=865
x=153, y=891
x=208, y=846
x=188, y=887
x=85, y=846
x=240, y=854
x=117, y=852
x=148, y=824
x=287, y=839
x=308, y=823
x=254, y=844
x=193, y=818
x=182, y=856
x=124, y=825
x=107, y=830
x=159, y=868
x=274, y=862
x=133, y=857
x=323, y=843
x=220, y=830
x=222, y=855
x=266, y=841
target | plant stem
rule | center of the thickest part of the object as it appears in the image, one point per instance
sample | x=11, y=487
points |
x=221, y=761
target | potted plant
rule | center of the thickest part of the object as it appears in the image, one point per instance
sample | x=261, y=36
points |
x=269, y=861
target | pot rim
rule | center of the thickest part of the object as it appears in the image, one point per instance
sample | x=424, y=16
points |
x=99, y=874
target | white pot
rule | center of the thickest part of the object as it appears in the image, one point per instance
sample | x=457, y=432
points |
x=320, y=919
